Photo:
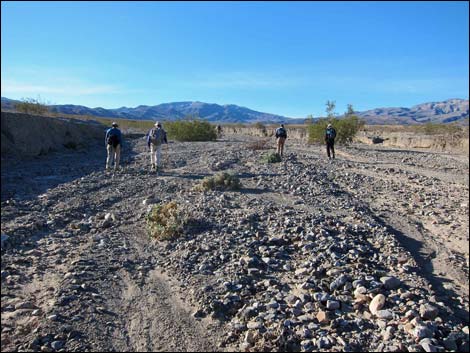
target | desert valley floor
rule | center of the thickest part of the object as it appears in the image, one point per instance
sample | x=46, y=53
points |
x=368, y=252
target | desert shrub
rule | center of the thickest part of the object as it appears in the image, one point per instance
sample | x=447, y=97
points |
x=316, y=131
x=309, y=120
x=346, y=129
x=165, y=221
x=220, y=181
x=31, y=106
x=191, y=130
x=262, y=128
x=271, y=157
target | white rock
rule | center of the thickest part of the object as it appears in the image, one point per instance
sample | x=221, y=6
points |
x=377, y=303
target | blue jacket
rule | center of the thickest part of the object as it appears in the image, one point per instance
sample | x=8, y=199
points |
x=113, y=131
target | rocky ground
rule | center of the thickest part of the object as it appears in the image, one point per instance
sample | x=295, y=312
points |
x=368, y=252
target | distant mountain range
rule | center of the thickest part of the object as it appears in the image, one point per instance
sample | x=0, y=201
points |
x=168, y=111
x=436, y=112
x=451, y=110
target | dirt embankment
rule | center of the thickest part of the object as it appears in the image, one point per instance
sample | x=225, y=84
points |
x=441, y=143
x=400, y=139
x=24, y=135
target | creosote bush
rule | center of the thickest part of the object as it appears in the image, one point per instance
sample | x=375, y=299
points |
x=32, y=106
x=191, y=130
x=261, y=128
x=346, y=129
x=272, y=157
x=165, y=221
x=220, y=181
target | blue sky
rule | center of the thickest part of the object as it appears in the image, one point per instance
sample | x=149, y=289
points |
x=286, y=58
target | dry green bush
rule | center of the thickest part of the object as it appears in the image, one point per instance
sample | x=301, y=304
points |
x=191, y=130
x=31, y=106
x=272, y=157
x=165, y=221
x=262, y=128
x=346, y=129
x=220, y=181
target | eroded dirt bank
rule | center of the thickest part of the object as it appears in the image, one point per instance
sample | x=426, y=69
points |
x=368, y=252
x=26, y=135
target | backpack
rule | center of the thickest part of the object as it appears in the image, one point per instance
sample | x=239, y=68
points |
x=113, y=140
x=156, y=136
x=330, y=134
x=281, y=132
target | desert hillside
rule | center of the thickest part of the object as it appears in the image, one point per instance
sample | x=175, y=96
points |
x=367, y=252
x=448, y=111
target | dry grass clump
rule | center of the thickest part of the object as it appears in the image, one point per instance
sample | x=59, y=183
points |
x=165, y=221
x=221, y=181
x=272, y=157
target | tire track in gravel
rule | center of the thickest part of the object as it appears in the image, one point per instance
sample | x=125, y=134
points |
x=112, y=296
x=107, y=294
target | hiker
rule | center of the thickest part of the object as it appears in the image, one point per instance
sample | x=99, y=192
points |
x=219, y=131
x=113, y=142
x=281, y=136
x=330, y=135
x=155, y=138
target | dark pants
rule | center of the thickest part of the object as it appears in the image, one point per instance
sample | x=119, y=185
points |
x=330, y=145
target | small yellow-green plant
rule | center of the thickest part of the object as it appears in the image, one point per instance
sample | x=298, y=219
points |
x=165, y=222
x=220, y=181
x=271, y=157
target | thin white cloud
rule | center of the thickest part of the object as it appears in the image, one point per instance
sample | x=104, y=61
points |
x=419, y=85
x=409, y=85
x=246, y=80
x=72, y=89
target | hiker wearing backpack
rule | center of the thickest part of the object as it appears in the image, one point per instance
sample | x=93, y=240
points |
x=330, y=135
x=155, y=138
x=113, y=141
x=281, y=136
